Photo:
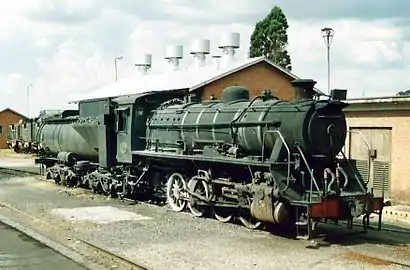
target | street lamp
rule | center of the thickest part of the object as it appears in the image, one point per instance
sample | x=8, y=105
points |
x=28, y=98
x=328, y=34
x=115, y=64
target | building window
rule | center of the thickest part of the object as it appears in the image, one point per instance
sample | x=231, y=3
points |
x=1, y=129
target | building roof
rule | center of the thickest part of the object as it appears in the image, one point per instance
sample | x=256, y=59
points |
x=191, y=78
x=386, y=103
x=15, y=112
x=388, y=99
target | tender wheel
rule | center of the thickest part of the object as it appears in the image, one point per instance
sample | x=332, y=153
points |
x=57, y=179
x=200, y=187
x=176, y=187
x=247, y=220
x=222, y=214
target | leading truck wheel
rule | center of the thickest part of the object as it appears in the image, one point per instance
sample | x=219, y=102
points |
x=221, y=214
x=246, y=218
x=176, y=187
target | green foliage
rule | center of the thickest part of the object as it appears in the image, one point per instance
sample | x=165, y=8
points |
x=270, y=39
x=403, y=93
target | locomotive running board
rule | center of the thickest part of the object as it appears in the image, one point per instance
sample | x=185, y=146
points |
x=221, y=159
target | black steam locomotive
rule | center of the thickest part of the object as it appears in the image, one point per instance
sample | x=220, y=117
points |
x=263, y=160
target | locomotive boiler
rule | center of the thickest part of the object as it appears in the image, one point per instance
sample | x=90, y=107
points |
x=319, y=128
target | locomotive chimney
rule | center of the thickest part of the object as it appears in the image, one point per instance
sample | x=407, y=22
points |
x=200, y=48
x=303, y=88
x=228, y=43
x=143, y=63
x=173, y=54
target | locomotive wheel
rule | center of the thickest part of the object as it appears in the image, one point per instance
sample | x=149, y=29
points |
x=247, y=220
x=176, y=186
x=200, y=187
x=57, y=179
x=221, y=214
x=49, y=175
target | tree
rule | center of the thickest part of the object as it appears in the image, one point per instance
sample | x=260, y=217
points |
x=270, y=38
x=403, y=93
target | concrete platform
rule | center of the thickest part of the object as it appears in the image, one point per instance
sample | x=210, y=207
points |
x=20, y=248
x=17, y=162
x=399, y=214
x=162, y=239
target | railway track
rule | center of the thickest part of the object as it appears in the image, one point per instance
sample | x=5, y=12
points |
x=109, y=259
x=19, y=172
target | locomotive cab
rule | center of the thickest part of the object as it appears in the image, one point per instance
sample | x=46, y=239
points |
x=131, y=115
x=129, y=119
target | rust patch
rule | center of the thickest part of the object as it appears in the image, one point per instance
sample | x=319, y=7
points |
x=354, y=256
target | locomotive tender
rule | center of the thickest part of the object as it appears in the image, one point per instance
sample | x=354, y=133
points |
x=260, y=160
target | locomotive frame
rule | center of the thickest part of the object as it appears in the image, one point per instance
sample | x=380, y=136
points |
x=280, y=185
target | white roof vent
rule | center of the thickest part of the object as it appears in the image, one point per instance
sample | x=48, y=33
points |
x=228, y=43
x=173, y=53
x=200, y=48
x=216, y=61
x=143, y=63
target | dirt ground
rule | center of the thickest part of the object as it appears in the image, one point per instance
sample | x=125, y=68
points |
x=161, y=239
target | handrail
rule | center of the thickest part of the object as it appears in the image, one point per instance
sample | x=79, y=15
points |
x=351, y=167
x=368, y=147
x=340, y=169
x=310, y=171
x=284, y=143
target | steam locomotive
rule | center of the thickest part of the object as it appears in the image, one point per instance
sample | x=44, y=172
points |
x=260, y=160
x=22, y=136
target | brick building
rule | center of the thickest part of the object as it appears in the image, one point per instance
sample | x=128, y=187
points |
x=8, y=117
x=256, y=74
x=381, y=125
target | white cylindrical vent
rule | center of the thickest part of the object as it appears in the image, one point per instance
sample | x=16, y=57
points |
x=216, y=59
x=173, y=53
x=230, y=39
x=200, y=48
x=143, y=63
x=228, y=43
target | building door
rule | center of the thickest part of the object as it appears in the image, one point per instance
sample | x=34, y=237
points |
x=374, y=163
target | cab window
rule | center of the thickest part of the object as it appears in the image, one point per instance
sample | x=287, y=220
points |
x=122, y=119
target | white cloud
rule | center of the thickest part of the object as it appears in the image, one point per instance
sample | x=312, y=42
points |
x=66, y=48
x=366, y=56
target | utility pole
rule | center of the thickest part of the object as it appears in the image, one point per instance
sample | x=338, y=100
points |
x=115, y=65
x=328, y=34
x=28, y=98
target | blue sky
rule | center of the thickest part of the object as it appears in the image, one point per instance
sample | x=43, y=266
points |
x=66, y=47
